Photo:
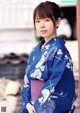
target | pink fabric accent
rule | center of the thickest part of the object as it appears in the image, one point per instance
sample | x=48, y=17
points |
x=36, y=86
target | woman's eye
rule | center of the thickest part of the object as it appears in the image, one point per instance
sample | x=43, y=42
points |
x=47, y=19
x=37, y=21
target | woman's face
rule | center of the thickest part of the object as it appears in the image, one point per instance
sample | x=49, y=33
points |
x=45, y=27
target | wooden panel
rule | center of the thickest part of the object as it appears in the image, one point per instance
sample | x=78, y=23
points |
x=78, y=37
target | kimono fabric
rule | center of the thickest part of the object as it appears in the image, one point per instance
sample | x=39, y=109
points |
x=52, y=64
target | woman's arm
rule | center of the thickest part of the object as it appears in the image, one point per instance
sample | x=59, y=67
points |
x=25, y=92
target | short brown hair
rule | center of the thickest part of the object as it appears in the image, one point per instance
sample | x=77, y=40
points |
x=47, y=9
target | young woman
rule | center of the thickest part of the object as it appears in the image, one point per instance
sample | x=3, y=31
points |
x=50, y=62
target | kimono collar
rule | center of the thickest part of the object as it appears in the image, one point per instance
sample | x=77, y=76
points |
x=51, y=42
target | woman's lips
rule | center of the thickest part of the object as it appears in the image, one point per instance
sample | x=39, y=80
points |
x=43, y=31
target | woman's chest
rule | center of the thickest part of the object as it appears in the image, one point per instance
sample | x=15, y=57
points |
x=40, y=70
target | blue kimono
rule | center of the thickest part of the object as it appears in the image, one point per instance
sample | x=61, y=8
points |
x=52, y=64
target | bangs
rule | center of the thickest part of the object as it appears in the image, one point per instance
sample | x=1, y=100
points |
x=42, y=12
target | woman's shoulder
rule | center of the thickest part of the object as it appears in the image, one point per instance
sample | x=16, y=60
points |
x=35, y=50
x=61, y=44
x=61, y=47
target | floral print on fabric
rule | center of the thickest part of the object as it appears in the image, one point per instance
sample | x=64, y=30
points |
x=48, y=107
x=54, y=66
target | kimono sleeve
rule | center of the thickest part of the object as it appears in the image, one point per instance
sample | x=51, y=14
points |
x=25, y=92
x=56, y=72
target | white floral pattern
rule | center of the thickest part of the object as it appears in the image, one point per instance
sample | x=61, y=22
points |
x=69, y=64
x=36, y=74
x=40, y=62
x=34, y=57
x=59, y=52
x=45, y=94
x=47, y=46
x=42, y=68
x=26, y=82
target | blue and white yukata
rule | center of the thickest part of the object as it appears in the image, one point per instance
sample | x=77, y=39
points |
x=52, y=64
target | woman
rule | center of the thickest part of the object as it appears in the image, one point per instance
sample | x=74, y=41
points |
x=49, y=61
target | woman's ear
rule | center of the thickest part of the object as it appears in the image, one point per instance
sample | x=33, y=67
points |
x=58, y=22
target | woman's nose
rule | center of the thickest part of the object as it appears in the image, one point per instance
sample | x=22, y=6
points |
x=42, y=25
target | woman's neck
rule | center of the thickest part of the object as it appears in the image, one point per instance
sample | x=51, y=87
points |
x=49, y=38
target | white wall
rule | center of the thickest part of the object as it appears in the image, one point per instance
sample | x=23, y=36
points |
x=16, y=14
x=17, y=41
x=16, y=26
